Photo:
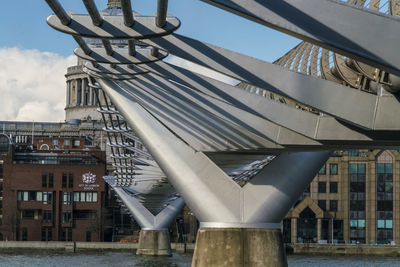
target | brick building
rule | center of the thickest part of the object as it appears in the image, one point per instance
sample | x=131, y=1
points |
x=51, y=189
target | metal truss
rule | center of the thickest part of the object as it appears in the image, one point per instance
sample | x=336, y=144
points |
x=136, y=174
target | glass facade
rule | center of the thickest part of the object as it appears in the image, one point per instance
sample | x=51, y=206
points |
x=384, y=203
x=357, y=202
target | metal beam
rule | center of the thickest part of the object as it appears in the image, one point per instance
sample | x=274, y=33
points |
x=116, y=70
x=127, y=13
x=329, y=97
x=162, y=8
x=59, y=11
x=132, y=48
x=121, y=56
x=82, y=44
x=107, y=47
x=93, y=12
x=303, y=122
x=114, y=27
x=334, y=25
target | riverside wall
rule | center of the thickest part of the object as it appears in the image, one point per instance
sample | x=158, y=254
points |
x=301, y=249
x=55, y=246
x=344, y=249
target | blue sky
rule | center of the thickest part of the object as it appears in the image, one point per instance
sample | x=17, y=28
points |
x=23, y=24
x=34, y=57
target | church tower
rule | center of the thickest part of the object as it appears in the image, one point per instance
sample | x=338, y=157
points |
x=81, y=100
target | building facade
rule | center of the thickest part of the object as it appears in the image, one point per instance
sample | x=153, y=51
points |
x=355, y=198
x=52, y=194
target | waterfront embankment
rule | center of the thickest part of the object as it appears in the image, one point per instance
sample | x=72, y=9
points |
x=344, y=249
x=296, y=249
x=55, y=246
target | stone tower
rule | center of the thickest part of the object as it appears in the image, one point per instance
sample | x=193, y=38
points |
x=114, y=3
x=81, y=100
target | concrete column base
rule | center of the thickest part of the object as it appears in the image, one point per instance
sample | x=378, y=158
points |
x=154, y=243
x=239, y=247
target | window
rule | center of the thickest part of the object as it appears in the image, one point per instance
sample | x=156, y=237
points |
x=44, y=179
x=76, y=196
x=357, y=201
x=47, y=197
x=322, y=170
x=49, y=234
x=333, y=187
x=4, y=144
x=28, y=214
x=322, y=204
x=384, y=202
x=1, y=171
x=24, y=234
x=67, y=216
x=333, y=205
x=67, y=198
x=64, y=180
x=321, y=187
x=71, y=180
x=89, y=197
x=63, y=234
x=29, y=196
x=44, y=147
x=333, y=169
x=55, y=142
x=85, y=214
x=51, y=180
x=67, y=142
x=88, y=235
x=69, y=234
x=353, y=152
x=77, y=143
x=47, y=216
x=85, y=196
x=44, y=234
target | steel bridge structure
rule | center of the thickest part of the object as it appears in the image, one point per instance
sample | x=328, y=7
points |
x=238, y=156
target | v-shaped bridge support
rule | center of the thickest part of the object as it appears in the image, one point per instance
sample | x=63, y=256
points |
x=144, y=217
x=216, y=200
x=154, y=236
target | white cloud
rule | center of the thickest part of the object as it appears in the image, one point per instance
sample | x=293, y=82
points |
x=177, y=61
x=32, y=85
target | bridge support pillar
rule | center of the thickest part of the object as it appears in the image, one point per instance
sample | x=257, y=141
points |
x=154, y=243
x=239, y=247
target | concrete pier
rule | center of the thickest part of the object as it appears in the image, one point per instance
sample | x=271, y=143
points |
x=237, y=247
x=154, y=243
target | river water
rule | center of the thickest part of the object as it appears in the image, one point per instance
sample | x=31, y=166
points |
x=178, y=260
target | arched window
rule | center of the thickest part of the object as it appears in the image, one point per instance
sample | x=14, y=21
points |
x=44, y=147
